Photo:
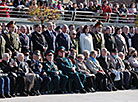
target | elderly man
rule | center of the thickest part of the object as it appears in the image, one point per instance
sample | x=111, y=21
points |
x=95, y=68
x=42, y=79
x=25, y=77
x=58, y=78
x=69, y=69
x=64, y=39
x=4, y=79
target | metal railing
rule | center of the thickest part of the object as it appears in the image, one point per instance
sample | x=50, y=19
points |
x=67, y=16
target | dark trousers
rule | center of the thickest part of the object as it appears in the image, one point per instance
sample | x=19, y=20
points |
x=76, y=79
x=101, y=81
x=45, y=82
x=12, y=85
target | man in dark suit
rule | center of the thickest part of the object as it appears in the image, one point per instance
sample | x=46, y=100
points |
x=109, y=40
x=38, y=41
x=127, y=37
x=63, y=39
x=50, y=37
x=107, y=66
x=135, y=40
x=24, y=39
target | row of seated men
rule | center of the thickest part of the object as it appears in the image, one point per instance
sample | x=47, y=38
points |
x=65, y=73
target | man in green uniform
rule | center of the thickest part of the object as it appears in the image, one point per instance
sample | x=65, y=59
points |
x=12, y=39
x=58, y=78
x=98, y=37
x=2, y=45
x=69, y=69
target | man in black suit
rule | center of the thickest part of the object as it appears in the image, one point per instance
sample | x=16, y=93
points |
x=63, y=39
x=24, y=39
x=50, y=36
x=106, y=65
x=38, y=41
x=126, y=35
x=135, y=40
x=109, y=40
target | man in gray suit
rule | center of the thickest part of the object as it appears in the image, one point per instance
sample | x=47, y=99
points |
x=96, y=69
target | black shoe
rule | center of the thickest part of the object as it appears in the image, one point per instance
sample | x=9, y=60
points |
x=88, y=90
x=114, y=88
x=8, y=96
x=121, y=88
x=82, y=91
x=23, y=94
x=2, y=96
x=13, y=95
x=107, y=89
x=93, y=90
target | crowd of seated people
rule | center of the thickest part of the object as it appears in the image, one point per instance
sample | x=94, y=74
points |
x=58, y=59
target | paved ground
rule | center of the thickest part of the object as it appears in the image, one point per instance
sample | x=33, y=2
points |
x=119, y=96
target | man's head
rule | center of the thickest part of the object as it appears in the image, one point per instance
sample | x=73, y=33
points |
x=93, y=54
x=36, y=55
x=50, y=26
x=61, y=51
x=11, y=26
x=125, y=29
x=49, y=55
x=23, y=29
x=65, y=28
x=38, y=27
x=104, y=52
x=6, y=57
x=20, y=57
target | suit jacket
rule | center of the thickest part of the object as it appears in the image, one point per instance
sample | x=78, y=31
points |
x=110, y=43
x=38, y=42
x=121, y=46
x=104, y=63
x=24, y=41
x=127, y=38
x=134, y=41
x=50, y=39
x=5, y=67
x=64, y=40
x=133, y=62
x=94, y=67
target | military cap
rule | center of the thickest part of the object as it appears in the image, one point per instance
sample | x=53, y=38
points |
x=114, y=51
x=26, y=52
x=61, y=48
x=37, y=52
x=49, y=52
x=99, y=24
x=11, y=23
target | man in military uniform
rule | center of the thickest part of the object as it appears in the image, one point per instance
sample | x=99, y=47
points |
x=68, y=68
x=42, y=80
x=12, y=39
x=2, y=45
x=98, y=37
x=58, y=78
